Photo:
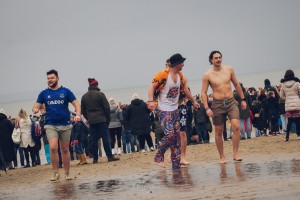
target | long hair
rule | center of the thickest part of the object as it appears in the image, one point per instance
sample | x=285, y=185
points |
x=23, y=114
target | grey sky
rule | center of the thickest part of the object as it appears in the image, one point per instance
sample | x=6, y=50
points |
x=124, y=43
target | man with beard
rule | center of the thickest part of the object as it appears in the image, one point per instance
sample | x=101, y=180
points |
x=58, y=126
x=218, y=77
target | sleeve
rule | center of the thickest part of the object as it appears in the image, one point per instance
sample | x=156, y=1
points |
x=70, y=96
x=106, y=107
x=40, y=98
x=83, y=109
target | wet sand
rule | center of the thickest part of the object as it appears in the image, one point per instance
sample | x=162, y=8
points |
x=270, y=170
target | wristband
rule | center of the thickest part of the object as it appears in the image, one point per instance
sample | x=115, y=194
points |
x=207, y=108
x=243, y=99
x=150, y=101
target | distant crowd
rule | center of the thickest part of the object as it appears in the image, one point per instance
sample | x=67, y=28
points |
x=130, y=129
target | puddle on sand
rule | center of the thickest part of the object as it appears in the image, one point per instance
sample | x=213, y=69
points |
x=255, y=179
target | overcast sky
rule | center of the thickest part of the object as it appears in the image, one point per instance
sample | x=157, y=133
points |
x=124, y=43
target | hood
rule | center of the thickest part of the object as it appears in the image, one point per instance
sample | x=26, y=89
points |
x=137, y=102
x=113, y=108
x=2, y=116
x=290, y=79
x=289, y=83
x=267, y=82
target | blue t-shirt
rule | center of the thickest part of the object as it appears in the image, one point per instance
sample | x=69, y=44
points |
x=56, y=103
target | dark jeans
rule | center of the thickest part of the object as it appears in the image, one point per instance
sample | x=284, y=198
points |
x=289, y=125
x=143, y=138
x=113, y=133
x=128, y=139
x=32, y=155
x=98, y=131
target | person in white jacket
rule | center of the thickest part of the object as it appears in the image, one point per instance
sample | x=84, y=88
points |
x=24, y=123
x=290, y=92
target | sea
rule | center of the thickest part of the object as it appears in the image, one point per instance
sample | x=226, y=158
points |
x=123, y=95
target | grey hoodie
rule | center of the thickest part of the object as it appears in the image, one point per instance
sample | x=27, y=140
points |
x=116, y=117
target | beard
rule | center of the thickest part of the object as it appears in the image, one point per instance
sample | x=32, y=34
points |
x=54, y=84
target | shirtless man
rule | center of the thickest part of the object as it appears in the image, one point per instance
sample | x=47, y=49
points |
x=218, y=77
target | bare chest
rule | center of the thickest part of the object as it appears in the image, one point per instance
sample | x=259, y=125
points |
x=219, y=79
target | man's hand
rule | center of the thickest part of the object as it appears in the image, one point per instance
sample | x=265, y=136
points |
x=196, y=104
x=151, y=105
x=209, y=112
x=243, y=105
x=77, y=118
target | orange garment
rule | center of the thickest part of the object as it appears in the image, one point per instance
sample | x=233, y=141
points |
x=161, y=78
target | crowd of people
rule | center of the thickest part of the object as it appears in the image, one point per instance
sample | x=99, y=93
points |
x=270, y=110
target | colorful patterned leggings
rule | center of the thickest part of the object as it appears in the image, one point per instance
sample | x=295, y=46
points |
x=169, y=121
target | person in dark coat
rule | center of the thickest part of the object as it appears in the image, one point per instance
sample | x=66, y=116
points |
x=263, y=123
x=138, y=116
x=244, y=114
x=6, y=143
x=273, y=107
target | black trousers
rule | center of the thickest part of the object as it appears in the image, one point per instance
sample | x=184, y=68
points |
x=30, y=150
x=143, y=138
x=289, y=125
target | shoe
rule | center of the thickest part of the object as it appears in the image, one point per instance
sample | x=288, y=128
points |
x=143, y=151
x=152, y=149
x=83, y=159
x=95, y=161
x=26, y=166
x=68, y=177
x=48, y=163
x=286, y=140
x=248, y=137
x=119, y=151
x=80, y=159
x=298, y=138
x=55, y=177
x=243, y=138
x=113, y=151
x=113, y=159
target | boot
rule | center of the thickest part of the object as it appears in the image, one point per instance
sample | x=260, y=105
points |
x=119, y=151
x=83, y=159
x=80, y=159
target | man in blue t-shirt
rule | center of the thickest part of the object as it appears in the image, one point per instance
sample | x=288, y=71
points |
x=58, y=126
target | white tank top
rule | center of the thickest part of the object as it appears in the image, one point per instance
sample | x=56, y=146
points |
x=169, y=95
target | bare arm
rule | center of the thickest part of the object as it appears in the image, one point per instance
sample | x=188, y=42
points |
x=189, y=95
x=151, y=89
x=76, y=105
x=205, y=84
x=238, y=89
x=36, y=107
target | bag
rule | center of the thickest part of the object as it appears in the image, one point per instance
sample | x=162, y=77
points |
x=16, y=136
x=257, y=115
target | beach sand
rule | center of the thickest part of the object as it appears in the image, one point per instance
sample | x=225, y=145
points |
x=270, y=170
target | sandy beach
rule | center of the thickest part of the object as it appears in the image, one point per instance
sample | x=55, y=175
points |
x=270, y=170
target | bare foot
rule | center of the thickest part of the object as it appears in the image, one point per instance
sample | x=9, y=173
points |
x=162, y=164
x=222, y=161
x=183, y=166
x=237, y=158
x=169, y=158
x=184, y=162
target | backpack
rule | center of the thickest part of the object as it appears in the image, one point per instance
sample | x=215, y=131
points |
x=162, y=77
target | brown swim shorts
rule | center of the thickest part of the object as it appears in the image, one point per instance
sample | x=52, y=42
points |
x=223, y=108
